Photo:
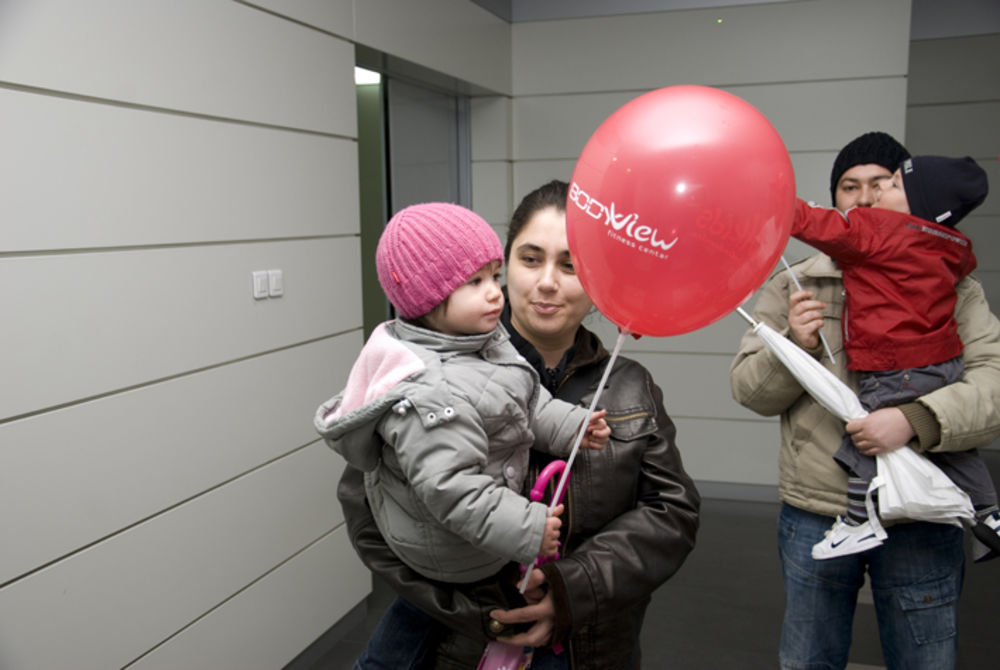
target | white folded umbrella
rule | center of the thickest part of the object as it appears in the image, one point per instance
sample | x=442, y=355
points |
x=910, y=486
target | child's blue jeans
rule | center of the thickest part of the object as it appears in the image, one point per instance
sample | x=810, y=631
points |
x=401, y=639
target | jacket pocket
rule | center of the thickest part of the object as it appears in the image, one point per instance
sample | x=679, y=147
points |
x=630, y=425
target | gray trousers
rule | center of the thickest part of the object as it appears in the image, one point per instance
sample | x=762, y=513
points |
x=895, y=387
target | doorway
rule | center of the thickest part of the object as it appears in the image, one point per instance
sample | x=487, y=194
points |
x=413, y=146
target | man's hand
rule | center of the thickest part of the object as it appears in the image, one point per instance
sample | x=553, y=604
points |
x=805, y=318
x=880, y=432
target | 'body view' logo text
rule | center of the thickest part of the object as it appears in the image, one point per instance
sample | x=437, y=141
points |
x=624, y=228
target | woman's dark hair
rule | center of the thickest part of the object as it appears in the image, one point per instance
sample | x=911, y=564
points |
x=552, y=194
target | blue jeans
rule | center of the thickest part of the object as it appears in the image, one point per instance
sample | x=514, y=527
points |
x=401, y=639
x=916, y=578
x=406, y=633
x=545, y=659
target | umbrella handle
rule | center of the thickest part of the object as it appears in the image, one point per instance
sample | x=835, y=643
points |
x=549, y=471
x=536, y=494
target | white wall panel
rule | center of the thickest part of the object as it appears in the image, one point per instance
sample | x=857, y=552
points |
x=559, y=126
x=158, y=444
x=991, y=286
x=170, y=54
x=115, y=600
x=965, y=129
x=529, y=175
x=984, y=231
x=112, y=320
x=735, y=452
x=694, y=385
x=957, y=69
x=721, y=337
x=163, y=178
x=454, y=37
x=332, y=16
x=267, y=625
x=812, y=171
x=490, y=127
x=779, y=42
x=491, y=192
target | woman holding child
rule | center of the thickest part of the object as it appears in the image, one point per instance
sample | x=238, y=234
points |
x=631, y=509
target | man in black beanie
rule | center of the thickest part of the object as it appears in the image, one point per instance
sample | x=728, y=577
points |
x=918, y=569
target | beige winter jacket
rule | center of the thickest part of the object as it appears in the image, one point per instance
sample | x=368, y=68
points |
x=962, y=416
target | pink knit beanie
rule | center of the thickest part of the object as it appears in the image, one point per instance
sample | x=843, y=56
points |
x=427, y=251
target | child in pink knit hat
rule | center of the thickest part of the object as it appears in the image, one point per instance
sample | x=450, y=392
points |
x=440, y=410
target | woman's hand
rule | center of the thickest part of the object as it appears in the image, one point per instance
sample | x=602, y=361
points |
x=880, y=432
x=805, y=318
x=541, y=614
x=598, y=432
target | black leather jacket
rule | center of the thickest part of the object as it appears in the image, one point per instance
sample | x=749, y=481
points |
x=631, y=520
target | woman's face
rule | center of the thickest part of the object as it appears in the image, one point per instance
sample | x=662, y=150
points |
x=547, y=302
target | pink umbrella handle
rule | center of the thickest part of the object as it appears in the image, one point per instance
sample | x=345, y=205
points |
x=549, y=471
x=536, y=494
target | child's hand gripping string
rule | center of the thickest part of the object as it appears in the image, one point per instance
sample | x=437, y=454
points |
x=550, y=539
x=597, y=433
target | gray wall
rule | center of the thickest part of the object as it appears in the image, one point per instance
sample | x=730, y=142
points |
x=953, y=109
x=163, y=499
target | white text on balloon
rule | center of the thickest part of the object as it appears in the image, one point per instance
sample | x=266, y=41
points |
x=595, y=209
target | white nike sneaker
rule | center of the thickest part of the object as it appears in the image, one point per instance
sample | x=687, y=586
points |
x=844, y=539
x=987, y=533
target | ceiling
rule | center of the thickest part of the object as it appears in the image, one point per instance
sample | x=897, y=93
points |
x=929, y=18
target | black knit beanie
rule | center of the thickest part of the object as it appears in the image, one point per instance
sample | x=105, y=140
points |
x=876, y=148
x=943, y=189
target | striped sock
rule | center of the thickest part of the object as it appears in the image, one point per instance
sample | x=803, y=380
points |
x=857, y=489
x=984, y=511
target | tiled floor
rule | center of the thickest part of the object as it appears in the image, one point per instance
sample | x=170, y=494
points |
x=723, y=609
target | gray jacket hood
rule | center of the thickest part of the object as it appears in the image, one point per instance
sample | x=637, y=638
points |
x=391, y=373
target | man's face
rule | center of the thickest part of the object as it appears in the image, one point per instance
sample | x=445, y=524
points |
x=858, y=187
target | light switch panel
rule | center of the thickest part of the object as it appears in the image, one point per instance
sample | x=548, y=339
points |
x=261, y=284
x=276, y=283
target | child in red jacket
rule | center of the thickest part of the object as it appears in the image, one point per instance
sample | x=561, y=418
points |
x=900, y=261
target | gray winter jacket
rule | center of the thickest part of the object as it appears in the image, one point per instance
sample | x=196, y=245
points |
x=441, y=426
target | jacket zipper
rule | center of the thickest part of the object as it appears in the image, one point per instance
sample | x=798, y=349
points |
x=846, y=330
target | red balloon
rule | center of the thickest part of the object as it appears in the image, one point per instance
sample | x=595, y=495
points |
x=679, y=207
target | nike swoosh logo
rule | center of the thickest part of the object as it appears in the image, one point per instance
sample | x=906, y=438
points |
x=834, y=545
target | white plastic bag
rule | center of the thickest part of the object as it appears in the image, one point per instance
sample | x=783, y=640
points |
x=910, y=486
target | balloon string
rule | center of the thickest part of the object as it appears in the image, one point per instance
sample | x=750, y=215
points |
x=583, y=429
x=579, y=438
x=826, y=345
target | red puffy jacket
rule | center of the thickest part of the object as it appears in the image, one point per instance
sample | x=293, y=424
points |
x=899, y=274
